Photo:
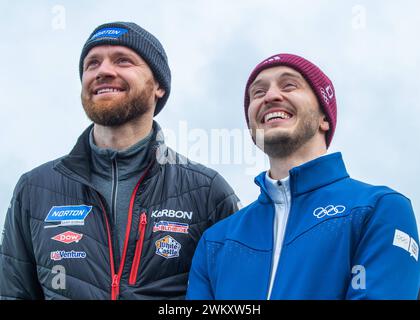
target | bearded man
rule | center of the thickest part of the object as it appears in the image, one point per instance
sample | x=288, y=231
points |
x=121, y=215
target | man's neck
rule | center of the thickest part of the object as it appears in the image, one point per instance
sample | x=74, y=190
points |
x=124, y=136
x=280, y=167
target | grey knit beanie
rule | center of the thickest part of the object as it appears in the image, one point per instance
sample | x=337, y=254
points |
x=129, y=34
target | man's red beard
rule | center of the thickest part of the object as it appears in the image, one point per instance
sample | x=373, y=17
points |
x=118, y=111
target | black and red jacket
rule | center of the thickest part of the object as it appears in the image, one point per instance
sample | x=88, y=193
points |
x=171, y=206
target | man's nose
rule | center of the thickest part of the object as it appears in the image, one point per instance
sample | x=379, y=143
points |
x=273, y=94
x=106, y=70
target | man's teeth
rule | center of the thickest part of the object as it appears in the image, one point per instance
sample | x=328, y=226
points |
x=107, y=90
x=274, y=115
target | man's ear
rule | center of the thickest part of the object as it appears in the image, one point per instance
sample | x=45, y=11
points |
x=160, y=92
x=324, y=124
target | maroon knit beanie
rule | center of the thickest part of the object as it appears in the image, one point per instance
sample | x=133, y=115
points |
x=319, y=82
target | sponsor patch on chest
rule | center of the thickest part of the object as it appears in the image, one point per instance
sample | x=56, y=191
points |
x=68, y=237
x=61, y=254
x=168, y=247
x=172, y=214
x=67, y=215
x=168, y=226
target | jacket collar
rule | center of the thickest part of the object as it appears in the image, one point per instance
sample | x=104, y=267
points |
x=78, y=161
x=309, y=176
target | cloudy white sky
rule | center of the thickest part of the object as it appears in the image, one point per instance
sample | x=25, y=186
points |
x=369, y=49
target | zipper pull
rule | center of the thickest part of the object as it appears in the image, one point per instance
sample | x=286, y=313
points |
x=143, y=219
x=115, y=281
x=142, y=224
x=115, y=287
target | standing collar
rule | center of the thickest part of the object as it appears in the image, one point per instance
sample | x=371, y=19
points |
x=309, y=176
x=130, y=160
x=274, y=186
x=78, y=161
x=112, y=153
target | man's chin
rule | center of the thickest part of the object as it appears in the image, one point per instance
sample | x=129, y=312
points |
x=107, y=103
x=275, y=137
x=274, y=144
x=117, y=110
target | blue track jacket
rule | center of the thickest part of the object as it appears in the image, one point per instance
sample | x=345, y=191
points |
x=344, y=239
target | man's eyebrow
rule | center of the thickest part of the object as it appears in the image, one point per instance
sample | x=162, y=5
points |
x=282, y=75
x=123, y=53
x=114, y=54
x=91, y=57
x=256, y=83
x=292, y=75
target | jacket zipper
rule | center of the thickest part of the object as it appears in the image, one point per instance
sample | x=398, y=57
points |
x=116, y=278
x=139, y=248
x=289, y=204
x=114, y=190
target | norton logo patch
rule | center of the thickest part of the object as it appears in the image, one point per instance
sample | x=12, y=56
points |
x=67, y=215
x=168, y=247
x=109, y=33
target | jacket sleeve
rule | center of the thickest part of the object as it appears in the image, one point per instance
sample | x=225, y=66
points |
x=385, y=264
x=222, y=201
x=18, y=274
x=199, y=285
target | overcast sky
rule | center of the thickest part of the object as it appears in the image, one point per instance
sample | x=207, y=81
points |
x=369, y=49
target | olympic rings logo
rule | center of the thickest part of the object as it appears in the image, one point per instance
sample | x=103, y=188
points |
x=328, y=211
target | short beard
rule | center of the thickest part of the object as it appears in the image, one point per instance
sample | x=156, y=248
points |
x=114, y=113
x=282, y=145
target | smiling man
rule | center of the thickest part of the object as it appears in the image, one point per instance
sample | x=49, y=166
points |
x=120, y=216
x=313, y=233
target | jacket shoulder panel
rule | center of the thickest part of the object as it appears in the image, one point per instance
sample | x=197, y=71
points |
x=247, y=226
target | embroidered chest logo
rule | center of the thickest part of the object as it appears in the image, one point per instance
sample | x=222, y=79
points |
x=169, y=226
x=168, y=247
x=60, y=255
x=68, y=237
x=329, y=210
x=67, y=215
x=172, y=214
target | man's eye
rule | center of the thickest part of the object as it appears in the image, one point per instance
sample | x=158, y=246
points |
x=258, y=93
x=289, y=86
x=91, y=64
x=123, y=61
